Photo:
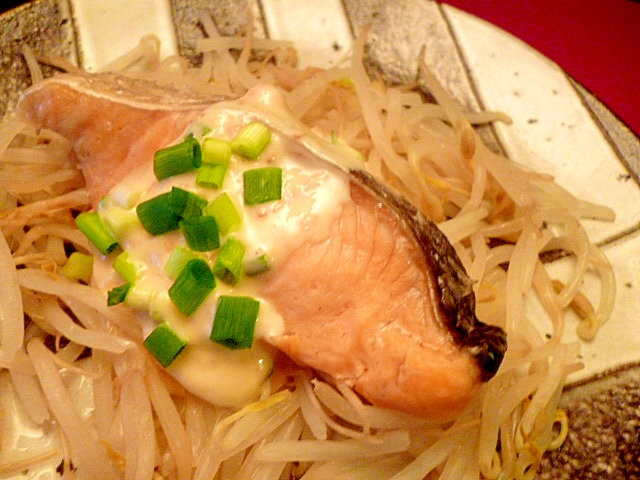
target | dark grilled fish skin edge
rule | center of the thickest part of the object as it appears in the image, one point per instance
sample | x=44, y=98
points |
x=486, y=343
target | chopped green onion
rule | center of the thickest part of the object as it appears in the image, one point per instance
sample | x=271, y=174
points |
x=185, y=203
x=211, y=176
x=118, y=294
x=141, y=295
x=177, y=159
x=345, y=82
x=216, y=151
x=118, y=220
x=128, y=269
x=201, y=233
x=161, y=308
x=157, y=216
x=235, y=321
x=228, y=265
x=179, y=257
x=125, y=267
x=164, y=344
x=192, y=286
x=226, y=214
x=95, y=230
x=257, y=265
x=78, y=266
x=262, y=185
x=199, y=130
x=251, y=140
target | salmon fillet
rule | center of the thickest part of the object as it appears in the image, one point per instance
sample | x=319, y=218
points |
x=110, y=137
x=379, y=301
x=357, y=306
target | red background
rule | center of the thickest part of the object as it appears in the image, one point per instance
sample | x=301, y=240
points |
x=597, y=42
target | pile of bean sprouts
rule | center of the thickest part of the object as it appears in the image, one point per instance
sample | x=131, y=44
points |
x=77, y=368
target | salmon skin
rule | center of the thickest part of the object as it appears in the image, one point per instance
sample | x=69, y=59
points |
x=421, y=351
x=486, y=343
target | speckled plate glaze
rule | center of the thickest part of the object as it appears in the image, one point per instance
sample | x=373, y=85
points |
x=558, y=127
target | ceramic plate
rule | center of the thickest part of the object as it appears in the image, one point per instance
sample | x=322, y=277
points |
x=558, y=128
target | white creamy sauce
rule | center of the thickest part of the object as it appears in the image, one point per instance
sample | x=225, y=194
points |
x=313, y=194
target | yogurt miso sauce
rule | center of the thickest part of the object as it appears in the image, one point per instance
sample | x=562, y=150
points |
x=313, y=193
